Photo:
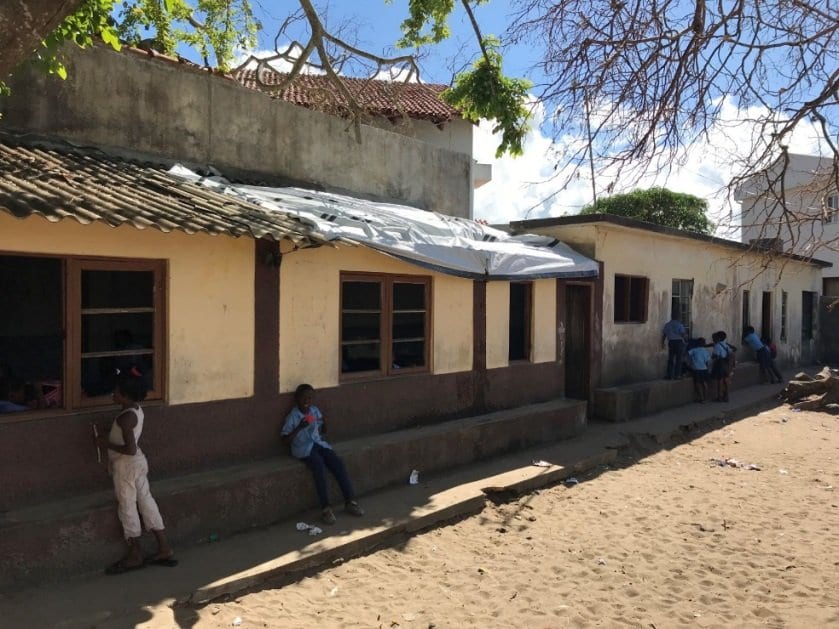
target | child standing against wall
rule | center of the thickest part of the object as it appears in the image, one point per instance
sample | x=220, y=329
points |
x=768, y=372
x=130, y=468
x=700, y=361
x=723, y=365
x=302, y=429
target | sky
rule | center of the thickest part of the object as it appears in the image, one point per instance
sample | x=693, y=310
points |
x=530, y=186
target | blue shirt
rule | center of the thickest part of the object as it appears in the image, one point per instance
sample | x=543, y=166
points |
x=700, y=359
x=721, y=349
x=301, y=445
x=11, y=407
x=752, y=341
x=674, y=330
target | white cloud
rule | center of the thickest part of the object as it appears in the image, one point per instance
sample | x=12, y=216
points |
x=529, y=187
x=279, y=65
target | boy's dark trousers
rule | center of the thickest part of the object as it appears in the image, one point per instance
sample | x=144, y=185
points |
x=675, y=355
x=322, y=459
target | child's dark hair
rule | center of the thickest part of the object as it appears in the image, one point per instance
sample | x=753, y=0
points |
x=132, y=385
x=301, y=389
x=700, y=342
x=748, y=330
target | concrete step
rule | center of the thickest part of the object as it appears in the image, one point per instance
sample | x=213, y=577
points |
x=622, y=403
x=81, y=534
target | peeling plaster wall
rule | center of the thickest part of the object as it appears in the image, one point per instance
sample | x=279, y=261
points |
x=633, y=352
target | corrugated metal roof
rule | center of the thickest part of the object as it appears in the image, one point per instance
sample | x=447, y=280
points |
x=89, y=185
x=391, y=99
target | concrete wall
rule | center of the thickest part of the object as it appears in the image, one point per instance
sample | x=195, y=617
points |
x=210, y=296
x=632, y=352
x=543, y=329
x=153, y=107
x=544, y=332
x=310, y=313
x=498, y=324
x=455, y=135
x=805, y=234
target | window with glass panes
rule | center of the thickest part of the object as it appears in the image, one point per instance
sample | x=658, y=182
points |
x=385, y=324
x=68, y=325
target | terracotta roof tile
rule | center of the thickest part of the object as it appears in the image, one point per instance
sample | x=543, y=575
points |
x=391, y=99
x=88, y=185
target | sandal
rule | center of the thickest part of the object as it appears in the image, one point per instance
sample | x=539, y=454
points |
x=328, y=516
x=121, y=567
x=353, y=508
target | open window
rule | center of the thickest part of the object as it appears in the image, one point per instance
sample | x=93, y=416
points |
x=385, y=324
x=631, y=296
x=681, y=298
x=69, y=324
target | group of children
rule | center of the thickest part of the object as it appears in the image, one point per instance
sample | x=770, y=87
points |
x=303, y=431
x=718, y=364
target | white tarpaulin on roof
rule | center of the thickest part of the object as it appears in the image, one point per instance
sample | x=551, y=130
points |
x=451, y=245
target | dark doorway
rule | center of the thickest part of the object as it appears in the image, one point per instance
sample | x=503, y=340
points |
x=577, y=341
x=521, y=315
x=766, y=316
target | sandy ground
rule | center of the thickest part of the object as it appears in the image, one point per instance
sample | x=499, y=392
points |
x=671, y=539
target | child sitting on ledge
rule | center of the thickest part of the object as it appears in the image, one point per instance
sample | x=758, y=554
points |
x=303, y=428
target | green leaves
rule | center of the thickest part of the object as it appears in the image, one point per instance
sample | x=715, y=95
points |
x=657, y=205
x=484, y=92
x=427, y=22
x=217, y=28
x=91, y=19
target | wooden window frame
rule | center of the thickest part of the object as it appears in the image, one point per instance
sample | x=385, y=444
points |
x=528, y=326
x=73, y=319
x=628, y=299
x=71, y=269
x=386, y=282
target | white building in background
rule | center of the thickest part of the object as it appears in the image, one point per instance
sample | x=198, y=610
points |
x=808, y=224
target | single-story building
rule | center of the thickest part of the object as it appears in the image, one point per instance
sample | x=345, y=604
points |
x=227, y=305
x=651, y=271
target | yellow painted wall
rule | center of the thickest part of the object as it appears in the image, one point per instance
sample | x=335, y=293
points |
x=310, y=313
x=633, y=351
x=498, y=324
x=544, y=321
x=543, y=331
x=210, y=295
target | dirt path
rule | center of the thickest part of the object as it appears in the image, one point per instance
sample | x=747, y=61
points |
x=673, y=540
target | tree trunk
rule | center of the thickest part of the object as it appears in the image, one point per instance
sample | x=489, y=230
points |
x=24, y=24
x=798, y=389
x=821, y=391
